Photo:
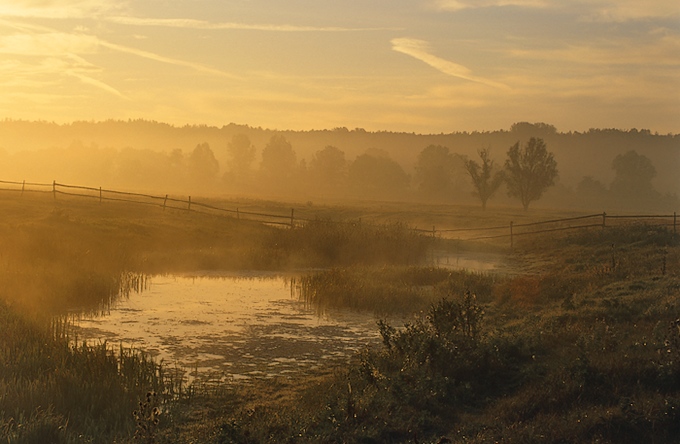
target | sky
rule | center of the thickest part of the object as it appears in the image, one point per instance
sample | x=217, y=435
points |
x=424, y=66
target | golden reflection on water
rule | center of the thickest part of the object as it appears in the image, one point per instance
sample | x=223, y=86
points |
x=229, y=326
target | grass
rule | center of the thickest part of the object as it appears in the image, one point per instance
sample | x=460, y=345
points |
x=55, y=390
x=579, y=344
x=598, y=362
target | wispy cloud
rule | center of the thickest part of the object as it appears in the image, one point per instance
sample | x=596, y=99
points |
x=60, y=9
x=36, y=40
x=595, y=10
x=458, y=5
x=47, y=44
x=202, y=24
x=164, y=59
x=419, y=50
x=629, y=10
x=48, y=72
x=58, y=54
x=657, y=49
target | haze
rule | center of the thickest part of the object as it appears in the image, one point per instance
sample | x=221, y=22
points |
x=425, y=66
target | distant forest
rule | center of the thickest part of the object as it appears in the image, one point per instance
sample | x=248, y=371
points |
x=601, y=169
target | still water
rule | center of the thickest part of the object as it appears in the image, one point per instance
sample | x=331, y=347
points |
x=230, y=327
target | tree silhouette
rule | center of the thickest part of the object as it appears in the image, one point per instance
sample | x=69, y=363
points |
x=529, y=171
x=485, y=180
x=328, y=170
x=203, y=166
x=278, y=163
x=633, y=181
x=378, y=176
x=634, y=174
x=242, y=154
x=435, y=169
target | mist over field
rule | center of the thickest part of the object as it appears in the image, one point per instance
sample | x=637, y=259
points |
x=238, y=160
x=429, y=221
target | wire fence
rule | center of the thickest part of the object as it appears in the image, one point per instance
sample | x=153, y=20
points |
x=509, y=231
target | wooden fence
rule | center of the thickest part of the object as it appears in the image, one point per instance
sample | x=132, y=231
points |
x=509, y=231
x=512, y=231
x=164, y=201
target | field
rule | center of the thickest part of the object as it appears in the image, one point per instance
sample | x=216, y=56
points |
x=579, y=341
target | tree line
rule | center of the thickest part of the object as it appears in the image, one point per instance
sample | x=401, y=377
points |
x=239, y=160
x=529, y=170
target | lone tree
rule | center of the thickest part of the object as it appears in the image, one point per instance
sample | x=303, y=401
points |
x=485, y=180
x=529, y=171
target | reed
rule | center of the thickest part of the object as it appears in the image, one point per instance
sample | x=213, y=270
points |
x=55, y=390
x=389, y=289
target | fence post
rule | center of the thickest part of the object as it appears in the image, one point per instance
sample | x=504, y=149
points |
x=675, y=223
x=165, y=201
x=292, y=217
x=189, y=203
x=604, y=220
x=434, y=232
x=54, y=189
x=512, y=242
x=238, y=215
x=100, y=194
x=23, y=185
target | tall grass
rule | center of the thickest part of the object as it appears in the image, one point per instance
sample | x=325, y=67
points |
x=55, y=390
x=389, y=289
x=327, y=243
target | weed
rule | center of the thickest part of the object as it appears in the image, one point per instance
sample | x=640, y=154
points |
x=147, y=417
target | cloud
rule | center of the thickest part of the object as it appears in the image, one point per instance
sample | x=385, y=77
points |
x=201, y=24
x=59, y=54
x=458, y=5
x=60, y=9
x=48, y=44
x=41, y=41
x=419, y=50
x=629, y=10
x=593, y=10
x=46, y=74
x=659, y=49
x=168, y=60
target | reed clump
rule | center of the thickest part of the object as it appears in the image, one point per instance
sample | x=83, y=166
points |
x=328, y=243
x=55, y=390
x=388, y=289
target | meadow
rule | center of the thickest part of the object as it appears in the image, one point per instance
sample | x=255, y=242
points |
x=578, y=342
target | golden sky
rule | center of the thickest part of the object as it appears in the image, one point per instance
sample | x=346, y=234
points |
x=425, y=66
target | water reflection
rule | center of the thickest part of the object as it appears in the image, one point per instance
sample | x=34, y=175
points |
x=229, y=326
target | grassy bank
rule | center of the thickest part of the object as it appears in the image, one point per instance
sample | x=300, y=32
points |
x=582, y=347
x=56, y=391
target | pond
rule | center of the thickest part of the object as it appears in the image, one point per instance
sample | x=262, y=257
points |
x=485, y=262
x=229, y=327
